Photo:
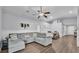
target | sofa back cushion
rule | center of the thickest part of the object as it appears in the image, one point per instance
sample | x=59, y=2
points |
x=29, y=35
x=41, y=35
x=24, y=35
x=21, y=36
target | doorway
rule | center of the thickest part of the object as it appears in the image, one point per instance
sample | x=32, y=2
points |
x=70, y=30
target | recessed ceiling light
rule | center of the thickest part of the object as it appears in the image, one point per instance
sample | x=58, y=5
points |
x=51, y=17
x=70, y=12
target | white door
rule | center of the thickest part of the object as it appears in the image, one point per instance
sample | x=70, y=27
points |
x=70, y=30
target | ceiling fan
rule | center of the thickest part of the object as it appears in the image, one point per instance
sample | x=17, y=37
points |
x=42, y=13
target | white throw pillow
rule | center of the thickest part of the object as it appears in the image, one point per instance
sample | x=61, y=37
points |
x=13, y=37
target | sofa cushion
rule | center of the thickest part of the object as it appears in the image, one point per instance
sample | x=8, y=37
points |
x=13, y=36
x=21, y=36
x=13, y=43
x=41, y=35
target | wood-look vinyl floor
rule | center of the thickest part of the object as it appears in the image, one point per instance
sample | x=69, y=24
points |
x=66, y=44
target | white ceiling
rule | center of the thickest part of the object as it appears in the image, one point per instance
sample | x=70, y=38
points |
x=56, y=11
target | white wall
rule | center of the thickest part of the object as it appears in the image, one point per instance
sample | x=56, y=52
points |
x=64, y=30
x=78, y=31
x=57, y=26
x=0, y=21
x=11, y=23
x=70, y=30
x=72, y=21
x=69, y=22
x=45, y=27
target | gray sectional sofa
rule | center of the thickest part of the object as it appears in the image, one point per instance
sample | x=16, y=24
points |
x=17, y=41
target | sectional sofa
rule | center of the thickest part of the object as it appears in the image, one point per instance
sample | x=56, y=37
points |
x=17, y=41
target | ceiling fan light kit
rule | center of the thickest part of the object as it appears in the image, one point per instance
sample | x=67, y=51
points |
x=42, y=13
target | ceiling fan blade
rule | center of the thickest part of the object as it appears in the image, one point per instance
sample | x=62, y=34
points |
x=46, y=12
x=38, y=11
x=45, y=16
x=27, y=11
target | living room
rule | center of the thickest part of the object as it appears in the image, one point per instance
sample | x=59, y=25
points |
x=35, y=26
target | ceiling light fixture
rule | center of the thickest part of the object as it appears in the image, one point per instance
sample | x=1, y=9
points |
x=42, y=12
x=70, y=12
